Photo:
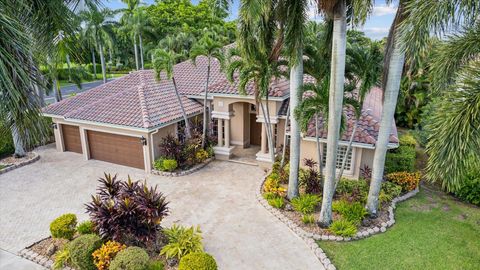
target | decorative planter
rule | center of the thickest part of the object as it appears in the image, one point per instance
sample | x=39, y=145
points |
x=187, y=172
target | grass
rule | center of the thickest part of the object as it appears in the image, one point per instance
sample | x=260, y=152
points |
x=2, y=166
x=432, y=231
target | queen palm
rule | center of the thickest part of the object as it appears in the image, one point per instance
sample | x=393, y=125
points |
x=209, y=47
x=139, y=23
x=126, y=19
x=98, y=28
x=409, y=35
x=164, y=61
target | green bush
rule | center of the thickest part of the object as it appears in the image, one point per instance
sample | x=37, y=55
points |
x=470, y=188
x=353, y=190
x=62, y=257
x=343, y=228
x=86, y=227
x=402, y=158
x=81, y=249
x=6, y=142
x=64, y=226
x=131, y=258
x=155, y=265
x=90, y=68
x=352, y=212
x=269, y=195
x=306, y=203
x=308, y=219
x=158, y=164
x=389, y=191
x=170, y=165
x=182, y=241
x=277, y=202
x=198, y=261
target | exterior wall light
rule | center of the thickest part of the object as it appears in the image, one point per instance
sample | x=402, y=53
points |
x=143, y=140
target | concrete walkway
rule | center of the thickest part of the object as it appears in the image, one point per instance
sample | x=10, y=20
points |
x=220, y=198
x=9, y=261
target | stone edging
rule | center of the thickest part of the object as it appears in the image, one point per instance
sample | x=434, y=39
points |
x=21, y=164
x=30, y=255
x=310, y=238
x=187, y=172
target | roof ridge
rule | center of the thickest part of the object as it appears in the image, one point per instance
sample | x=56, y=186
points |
x=99, y=100
x=143, y=103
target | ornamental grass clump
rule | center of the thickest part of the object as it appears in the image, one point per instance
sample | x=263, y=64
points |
x=182, y=241
x=306, y=204
x=277, y=202
x=129, y=211
x=343, y=228
x=352, y=212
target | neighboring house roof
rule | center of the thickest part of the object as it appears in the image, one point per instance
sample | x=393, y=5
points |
x=136, y=100
x=368, y=123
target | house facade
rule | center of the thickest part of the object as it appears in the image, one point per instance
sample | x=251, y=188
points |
x=124, y=121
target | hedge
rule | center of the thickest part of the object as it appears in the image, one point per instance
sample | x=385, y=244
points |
x=403, y=158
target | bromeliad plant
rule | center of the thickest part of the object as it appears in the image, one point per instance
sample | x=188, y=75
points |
x=129, y=211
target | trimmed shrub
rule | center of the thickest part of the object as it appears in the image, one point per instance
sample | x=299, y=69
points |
x=170, y=165
x=182, y=241
x=98, y=67
x=306, y=203
x=277, y=202
x=81, y=249
x=389, y=191
x=470, y=188
x=64, y=226
x=155, y=265
x=352, y=212
x=402, y=158
x=198, y=261
x=104, y=255
x=408, y=181
x=86, y=227
x=131, y=258
x=201, y=155
x=343, y=228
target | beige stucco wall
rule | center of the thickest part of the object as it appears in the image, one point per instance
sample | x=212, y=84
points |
x=280, y=133
x=156, y=138
x=240, y=126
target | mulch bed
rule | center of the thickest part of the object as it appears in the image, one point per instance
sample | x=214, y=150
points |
x=8, y=161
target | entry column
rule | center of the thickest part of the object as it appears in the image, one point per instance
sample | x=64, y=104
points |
x=220, y=132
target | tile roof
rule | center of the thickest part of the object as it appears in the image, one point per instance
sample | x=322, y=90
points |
x=278, y=87
x=135, y=100
x=368, y=124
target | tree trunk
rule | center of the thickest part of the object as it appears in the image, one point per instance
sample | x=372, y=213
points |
x=110, y=55
x=102, y=61
x=349, y=147
x=135, y=50
x=319, y=150
x=141, y=49
x=337, y=79
x=389, y=103
x=94, y=64
x=268, y=123
x=205, y=111
x=285, y=138
x=296, y=81
x=17, y=142
x=185, y=118
x=56, y=89
x=69, y=70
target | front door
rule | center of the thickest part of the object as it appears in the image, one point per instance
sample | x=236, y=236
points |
x=255, y=130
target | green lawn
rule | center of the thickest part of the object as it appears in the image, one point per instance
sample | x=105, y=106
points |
x=432, y=231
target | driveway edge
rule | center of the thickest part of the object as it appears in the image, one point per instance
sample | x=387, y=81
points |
x=21, y=164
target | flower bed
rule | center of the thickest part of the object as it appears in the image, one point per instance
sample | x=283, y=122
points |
x=124, y=232
x=185, y=172
x=11, y=163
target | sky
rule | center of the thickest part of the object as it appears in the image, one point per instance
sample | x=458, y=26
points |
x=376, y=27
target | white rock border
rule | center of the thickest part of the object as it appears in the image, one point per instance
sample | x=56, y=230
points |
x=21, y=164
x=310, y=238
x=41, y=260
x=187, y=172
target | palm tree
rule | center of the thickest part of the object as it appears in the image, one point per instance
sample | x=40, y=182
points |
x=139, y=23
x=164, y=60
x=209, y=47
x=126, y=19
x=336, y=10
x=409, y=35
x=365, y=66
x=98, y=28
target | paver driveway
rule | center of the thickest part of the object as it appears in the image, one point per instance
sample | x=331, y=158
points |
x=220, y=198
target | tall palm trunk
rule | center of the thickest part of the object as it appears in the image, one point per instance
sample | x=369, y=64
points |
x=285, y=138
x=56, y=89
x=349, y=148
x=102, y=61
x=205, y=111
x=141, y=49
x=337, y=78
x=110, y=54
x=69, y=69
x=389, y=103
x=94, y=64
x=135, y=50
x=268, y=128
x=296, y=81
x=319, y=150
x=184, y=114
x=17, y=142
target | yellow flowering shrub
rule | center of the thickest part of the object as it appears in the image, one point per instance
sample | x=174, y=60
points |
x=201, y=155
x=408, y=181
x=272, y=185
x=105, y=254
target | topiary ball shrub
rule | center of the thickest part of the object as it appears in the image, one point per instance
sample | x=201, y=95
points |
x=170, y=165
x=81, y=250
x=132, y=258
x=86, y=227
x=197, y=261
x=64, y=226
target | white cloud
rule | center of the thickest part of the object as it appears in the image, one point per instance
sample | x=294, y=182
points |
x=382, y=10
x=376, y=32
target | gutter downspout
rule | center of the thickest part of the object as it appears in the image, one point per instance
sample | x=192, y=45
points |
x=151, y=144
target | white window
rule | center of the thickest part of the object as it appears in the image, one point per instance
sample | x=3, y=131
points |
x=341, y=150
